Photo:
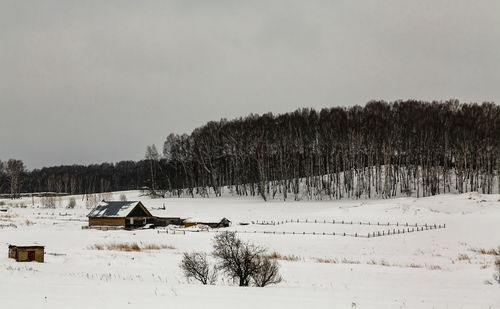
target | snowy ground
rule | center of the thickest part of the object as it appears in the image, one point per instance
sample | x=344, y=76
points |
x=430, y=269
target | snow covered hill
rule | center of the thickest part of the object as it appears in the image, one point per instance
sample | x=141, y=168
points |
x=451, y=267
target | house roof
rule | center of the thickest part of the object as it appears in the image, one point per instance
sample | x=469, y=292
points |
x=115, y=209
x=26, y=245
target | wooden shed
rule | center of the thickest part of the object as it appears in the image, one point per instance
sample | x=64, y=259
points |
x=27, y=253
x=120, y=213
x=215, y=225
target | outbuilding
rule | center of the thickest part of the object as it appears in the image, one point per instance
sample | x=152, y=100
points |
x=27, y=253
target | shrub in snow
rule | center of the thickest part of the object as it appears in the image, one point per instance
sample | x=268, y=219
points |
x=123, y=197
x=195, y=265
x=71, y=203
x=48, y=202
x=244, y=262
x=267, y=271
x=497, y=268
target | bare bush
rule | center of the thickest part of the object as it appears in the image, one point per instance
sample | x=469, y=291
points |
x=71, y=203
x=48, y=202
x=123, y=197
x=267, y=271
x=497, y=268
x=195, y=265
x=237, y=259
x=244, y=262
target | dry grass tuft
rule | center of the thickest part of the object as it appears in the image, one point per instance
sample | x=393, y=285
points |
x=463, y=257
x=327, y=261
x=97, y=247
x=413, y=265
x=433, y=267
x=28, y=222
x=485, y=251
x=384, y=263
x=124, y=247
x=157, y=247
x=277, y=256
x=347, y=261
x=129, y=247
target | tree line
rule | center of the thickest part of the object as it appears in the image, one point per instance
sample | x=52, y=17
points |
x=380, y=150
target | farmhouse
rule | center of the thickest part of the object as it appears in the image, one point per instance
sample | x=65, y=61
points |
x=27, y=253
x=129, y=214
x=120, y=213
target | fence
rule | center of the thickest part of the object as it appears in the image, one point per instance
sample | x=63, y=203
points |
x=381, y=233
x=349, y=222
x=102, y=228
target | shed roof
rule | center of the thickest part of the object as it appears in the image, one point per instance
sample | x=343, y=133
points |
x=23, y=246
x=115, y=209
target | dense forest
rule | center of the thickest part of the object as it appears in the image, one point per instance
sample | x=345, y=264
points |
x=379, y=150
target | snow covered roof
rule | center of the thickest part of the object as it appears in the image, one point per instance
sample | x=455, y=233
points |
x=26, y=245
x=114, y=208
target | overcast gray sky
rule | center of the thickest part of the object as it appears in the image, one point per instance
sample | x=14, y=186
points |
x=93, y=81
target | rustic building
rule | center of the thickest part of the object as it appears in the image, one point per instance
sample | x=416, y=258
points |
x=27, y=253
x=120, y=213
x=128, y=214
x=215, y=225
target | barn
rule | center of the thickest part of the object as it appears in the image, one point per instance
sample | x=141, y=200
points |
x=27, y=253
x=130, y=214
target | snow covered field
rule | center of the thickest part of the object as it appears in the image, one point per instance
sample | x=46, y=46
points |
x=441, y=268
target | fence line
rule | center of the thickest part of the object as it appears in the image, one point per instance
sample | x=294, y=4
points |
x=381, y=233
x=348, y=222
x=102, y=228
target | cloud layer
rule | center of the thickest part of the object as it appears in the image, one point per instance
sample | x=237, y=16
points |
x=93, y=81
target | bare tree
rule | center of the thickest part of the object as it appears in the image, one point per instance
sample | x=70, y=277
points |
x=267, y=271
x=238, y=259
x=153, y=157
x=195, y=265
x=15, y=168
x=92, y=200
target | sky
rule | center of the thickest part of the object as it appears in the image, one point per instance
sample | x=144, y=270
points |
x=97, y=81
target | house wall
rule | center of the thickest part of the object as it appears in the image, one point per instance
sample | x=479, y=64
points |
x=168, y=221
x=12, y=252
x=107, y=221
x=138, y=221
